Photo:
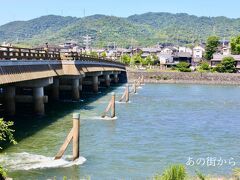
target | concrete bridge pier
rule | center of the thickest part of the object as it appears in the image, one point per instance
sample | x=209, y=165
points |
x=75, y=89
x=38, y=100
x=72, y=84
x=115, y=77
x=55, y=89
x=10, y=94
x=95, y=84
x=81, y=84
x=95, y=81
x=107, y=80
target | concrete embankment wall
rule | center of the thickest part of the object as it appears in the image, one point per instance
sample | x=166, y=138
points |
x=185, y=77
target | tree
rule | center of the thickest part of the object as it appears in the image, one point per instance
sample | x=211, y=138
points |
x=148, y=60
x=235, y=45
x=6, y=133
x=204, y=66
x=228, y=65
x=104, y=54
x=125, y=59
x=94, y=54
x=211, y=47
x=136, y=59
x=183, y=67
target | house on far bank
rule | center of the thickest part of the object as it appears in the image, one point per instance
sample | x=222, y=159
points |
x=185, y=50
x=182, y=57
x=198, y=53
x=168, y=50
x=225, y=47
x=166, y=60
x=70, y=46
x=150, y=51
x=217, y=58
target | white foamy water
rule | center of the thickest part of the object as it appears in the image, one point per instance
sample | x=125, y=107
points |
x=26, y=161
x=107, y=118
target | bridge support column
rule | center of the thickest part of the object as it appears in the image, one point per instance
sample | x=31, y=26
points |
x=38, y=100
x=115, y=78
x=75, y=89
x=80, y=84
x=107, y=80
x=95, y=84
x=55, y=89
x=10, y=100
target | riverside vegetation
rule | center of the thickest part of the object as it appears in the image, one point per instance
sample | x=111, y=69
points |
x=6, y=134
x=178, y=172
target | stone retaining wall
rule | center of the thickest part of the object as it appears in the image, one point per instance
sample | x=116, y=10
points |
x=185, y=77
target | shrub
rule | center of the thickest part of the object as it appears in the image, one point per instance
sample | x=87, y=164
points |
x=228, y=65
x=175, y=172
x=204, y=66
x=6, y=132
x=236, y=173
x=183, y=67
x=200, y=175
x=126, y=59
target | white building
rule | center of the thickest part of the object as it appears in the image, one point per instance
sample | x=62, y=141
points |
x=167, y=51
x=185, y=50
x=198, y=53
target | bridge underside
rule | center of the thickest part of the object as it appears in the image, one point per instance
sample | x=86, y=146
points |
x=27, y=81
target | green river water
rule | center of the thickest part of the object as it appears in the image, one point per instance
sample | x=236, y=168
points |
x=163, y=124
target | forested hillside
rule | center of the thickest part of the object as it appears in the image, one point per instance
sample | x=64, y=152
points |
x=145, y=29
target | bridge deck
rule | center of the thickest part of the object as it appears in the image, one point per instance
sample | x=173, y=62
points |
x=21, y=64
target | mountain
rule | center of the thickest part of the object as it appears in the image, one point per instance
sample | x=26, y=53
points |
x=145, y=29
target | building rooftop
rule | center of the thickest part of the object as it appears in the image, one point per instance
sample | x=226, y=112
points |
x=219, y=57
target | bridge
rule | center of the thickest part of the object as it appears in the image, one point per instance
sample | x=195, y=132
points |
x=26, y=74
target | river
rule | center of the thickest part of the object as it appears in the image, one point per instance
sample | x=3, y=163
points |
x=163, y=124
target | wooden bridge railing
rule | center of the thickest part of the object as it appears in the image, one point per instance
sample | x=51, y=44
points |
x=15, y=53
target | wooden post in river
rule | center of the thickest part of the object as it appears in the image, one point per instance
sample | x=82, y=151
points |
x=142, y=80
x=76, y=127
x=134, y=87
x=111, y=106
x=125, y=95
x=73, y=135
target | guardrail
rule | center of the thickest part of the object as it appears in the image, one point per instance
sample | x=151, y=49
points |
x=16, y=53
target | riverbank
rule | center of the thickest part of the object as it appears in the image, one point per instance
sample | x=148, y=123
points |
x=159, y=77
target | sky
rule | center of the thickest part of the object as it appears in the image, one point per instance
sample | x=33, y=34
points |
x=12, y=10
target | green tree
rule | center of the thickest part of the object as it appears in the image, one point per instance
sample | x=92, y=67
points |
x=136, y=59
x=94, y=54
x=125, y=58
x=183, y=67
x=6, y=134
x=204, y=66
x=228, y=65
x=211, y=47
x=235, y=45
x=155, y=57
x=104, y=54
x=148, y=60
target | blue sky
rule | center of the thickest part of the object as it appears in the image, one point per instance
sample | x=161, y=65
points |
x=12, y=10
